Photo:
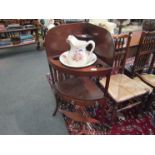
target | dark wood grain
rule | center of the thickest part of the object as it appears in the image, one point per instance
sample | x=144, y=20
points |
x=79, y=85
x=122, y=43
x=55, y=41
x=145, y=49
x=80, y=88
x=92, y=70
x=78, y=117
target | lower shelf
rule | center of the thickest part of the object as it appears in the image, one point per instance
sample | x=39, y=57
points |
x=20, y=44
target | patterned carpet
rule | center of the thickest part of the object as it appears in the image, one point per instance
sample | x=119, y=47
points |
x=131, y=122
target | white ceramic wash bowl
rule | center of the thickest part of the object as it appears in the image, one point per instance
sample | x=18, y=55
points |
x=63, y=59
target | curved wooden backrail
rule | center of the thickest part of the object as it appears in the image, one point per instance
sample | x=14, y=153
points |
x=55, y=41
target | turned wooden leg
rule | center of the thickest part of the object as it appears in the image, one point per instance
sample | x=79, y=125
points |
x=57, y=105
x=114, y=113
x=149, y=101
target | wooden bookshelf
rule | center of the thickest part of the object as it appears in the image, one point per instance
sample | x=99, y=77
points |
x=24, y=30
x=20, y=44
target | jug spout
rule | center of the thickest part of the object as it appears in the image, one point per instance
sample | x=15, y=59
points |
x=72, y=41
x=79, y=45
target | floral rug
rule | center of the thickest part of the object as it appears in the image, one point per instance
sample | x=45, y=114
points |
x=130, y=123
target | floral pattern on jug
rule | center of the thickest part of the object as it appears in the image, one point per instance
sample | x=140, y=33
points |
x=78, y=54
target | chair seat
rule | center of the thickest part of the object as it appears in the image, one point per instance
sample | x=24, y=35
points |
x=140, y=82
x=79, y=88
x=149, y=78
x=122, y=88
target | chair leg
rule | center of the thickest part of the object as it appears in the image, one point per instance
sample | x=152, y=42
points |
x=150, y=100
x=114, y=113
x=57, y=105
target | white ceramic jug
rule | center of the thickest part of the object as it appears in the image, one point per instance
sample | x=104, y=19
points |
x=78, y=55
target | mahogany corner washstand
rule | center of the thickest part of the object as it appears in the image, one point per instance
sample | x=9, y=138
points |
x=79, y=85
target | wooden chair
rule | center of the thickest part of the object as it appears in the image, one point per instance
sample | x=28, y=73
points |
x=145, y=51
x=148, y=76
x=143, y=68
x=124, y=91
x=144, y=60
x=78, y=86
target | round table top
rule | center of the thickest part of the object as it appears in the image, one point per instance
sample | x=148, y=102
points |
x=99, y=68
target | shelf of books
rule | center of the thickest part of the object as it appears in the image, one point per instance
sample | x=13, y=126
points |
x=14, y=35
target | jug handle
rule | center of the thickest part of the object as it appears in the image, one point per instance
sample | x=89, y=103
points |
x=93, y=45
